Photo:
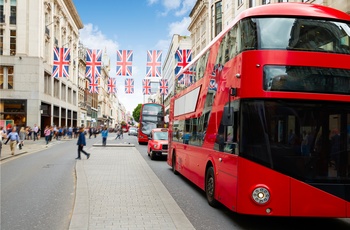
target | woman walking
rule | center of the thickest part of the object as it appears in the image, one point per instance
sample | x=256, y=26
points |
x=47, y=133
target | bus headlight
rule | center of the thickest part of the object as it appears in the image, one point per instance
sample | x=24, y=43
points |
x=261, y=195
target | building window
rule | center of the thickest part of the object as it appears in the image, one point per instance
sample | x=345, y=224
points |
x=47, y=83
x=265, y=2
x=240, y=2
x=63, y=92
x=282, y=0
x=218, y=18
x=56, y=88
x=13, y=10
x=6, y=77
x=13, y=42
x=1, y=41
x=2, y=15
x=69, y=95
x=252, y=3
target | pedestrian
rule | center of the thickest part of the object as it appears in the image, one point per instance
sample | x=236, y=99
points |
x=104, y=134
x=39, y=132
x=14, y=139
x=3, y=136
x=47, y=133
x=35, y=132
x=118, y=135
x=22, y=135
x=90, y=132
x=81, y=143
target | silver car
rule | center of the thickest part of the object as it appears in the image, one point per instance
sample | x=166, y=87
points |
x=132, y=131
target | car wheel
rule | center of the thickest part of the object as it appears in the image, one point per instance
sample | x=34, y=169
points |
x=152, y=155
x=210, y=187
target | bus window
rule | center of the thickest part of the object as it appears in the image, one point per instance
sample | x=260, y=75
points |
x=227, y=134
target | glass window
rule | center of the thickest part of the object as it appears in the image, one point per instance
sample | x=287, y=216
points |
x=13, y=42
x=307, y=79
x=2, y=77
x=304, y=34
x=13, y=12
x=218, y=18
x=160, y=136
x=10, y=76
x=306, y=140
x=1, y=41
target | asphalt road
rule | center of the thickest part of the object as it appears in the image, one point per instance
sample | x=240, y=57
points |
x=37, y=190
x=193, y=202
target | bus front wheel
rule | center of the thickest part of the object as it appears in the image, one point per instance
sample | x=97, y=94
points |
x=210, y=187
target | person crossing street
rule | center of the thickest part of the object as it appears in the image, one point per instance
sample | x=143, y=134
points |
x=81, y=143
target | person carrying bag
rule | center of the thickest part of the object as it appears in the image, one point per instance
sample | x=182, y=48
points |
x=14, y=140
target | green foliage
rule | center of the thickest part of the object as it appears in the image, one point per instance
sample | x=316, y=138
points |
x=136, y=113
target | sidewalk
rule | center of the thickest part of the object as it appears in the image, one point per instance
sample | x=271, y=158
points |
x=116, y=189
x=30, y=146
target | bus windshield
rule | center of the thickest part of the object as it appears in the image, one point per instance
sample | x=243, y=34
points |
x=303, y=34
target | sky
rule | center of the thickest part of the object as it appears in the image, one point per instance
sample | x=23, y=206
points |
x=137, y=25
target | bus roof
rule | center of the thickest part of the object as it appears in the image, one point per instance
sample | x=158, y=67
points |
x=288, y=9
x=295, y=9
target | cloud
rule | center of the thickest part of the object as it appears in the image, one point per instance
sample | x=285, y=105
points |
x=151, y=2
x=187, y=6
x=179, y=27
x=92, y=38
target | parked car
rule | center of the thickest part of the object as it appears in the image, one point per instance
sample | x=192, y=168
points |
x=132, y=131
x=158, y=143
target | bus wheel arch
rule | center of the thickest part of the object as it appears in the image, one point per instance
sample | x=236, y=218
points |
x=173, y=163
x=210, y=185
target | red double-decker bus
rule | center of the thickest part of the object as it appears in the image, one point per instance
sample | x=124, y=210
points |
x=260, y=119
x=151, y=117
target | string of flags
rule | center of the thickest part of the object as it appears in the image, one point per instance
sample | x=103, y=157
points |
x=123, y=68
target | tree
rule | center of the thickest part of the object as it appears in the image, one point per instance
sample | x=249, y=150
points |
x=136, y=113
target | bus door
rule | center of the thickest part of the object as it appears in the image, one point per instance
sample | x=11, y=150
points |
x=339, y=146
x=226, y=146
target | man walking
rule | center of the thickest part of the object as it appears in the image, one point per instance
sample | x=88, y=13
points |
x=13, y=137
x=104, y=134
x=81, y=143
x=35, y=130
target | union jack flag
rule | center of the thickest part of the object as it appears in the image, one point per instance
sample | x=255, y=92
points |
x=124, y=62
x=153, y=66
x=213, y=85
x=183, y=57
x=93, y=63
x=61, y=57
x=129, y=86
x=93, y=85
x=163, y=87
x=112, y=85
x=146, y=83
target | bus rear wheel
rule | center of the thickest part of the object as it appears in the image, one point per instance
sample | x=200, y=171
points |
x=210, y=187
x=173, y=164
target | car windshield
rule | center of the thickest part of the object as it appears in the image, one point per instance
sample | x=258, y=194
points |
x=160, y=136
